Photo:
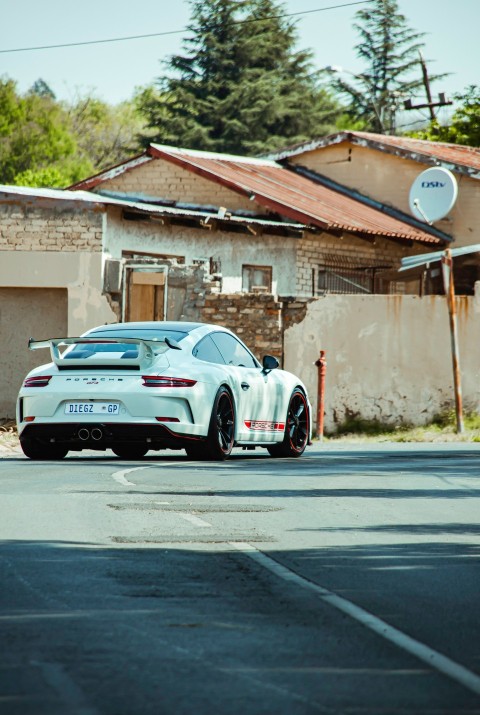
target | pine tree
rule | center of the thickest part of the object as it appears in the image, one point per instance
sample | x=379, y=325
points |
x=390, y=50
x=240, y=86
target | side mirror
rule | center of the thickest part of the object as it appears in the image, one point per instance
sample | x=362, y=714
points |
x=269, y=363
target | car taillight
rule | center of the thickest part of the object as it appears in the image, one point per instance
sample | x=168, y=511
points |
x=37, y=381
x=162, y=381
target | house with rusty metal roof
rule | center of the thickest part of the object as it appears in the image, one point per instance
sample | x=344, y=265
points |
x=382, y=169
x=162, y=230
x=258, y=223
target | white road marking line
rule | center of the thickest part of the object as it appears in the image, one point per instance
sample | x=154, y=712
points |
x=432, y=658
x=120, y=476
x=195, y=520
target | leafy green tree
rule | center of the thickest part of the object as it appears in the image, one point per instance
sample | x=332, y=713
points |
x=44, y=142
x=240, y=86
x=390, y=50
x=104, y=134
x=464, y=127
x=35, y=139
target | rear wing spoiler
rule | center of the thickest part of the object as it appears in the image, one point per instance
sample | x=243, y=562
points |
x=146, y=351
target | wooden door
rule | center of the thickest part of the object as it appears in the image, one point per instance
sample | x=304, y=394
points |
x=145, y=296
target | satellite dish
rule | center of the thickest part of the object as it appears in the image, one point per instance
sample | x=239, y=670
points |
x=433, y=194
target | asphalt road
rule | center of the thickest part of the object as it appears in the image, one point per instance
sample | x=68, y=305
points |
x=343, y=582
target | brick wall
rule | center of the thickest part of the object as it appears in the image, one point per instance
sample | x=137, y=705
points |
x=311, y=249
x=256, y=319
x=34, y=228
x=165, y=180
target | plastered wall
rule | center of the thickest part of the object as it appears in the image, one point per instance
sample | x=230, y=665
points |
x=44, y=295
x=25, y=313
x=231, y=250
x=388, y=357
x=388, y=179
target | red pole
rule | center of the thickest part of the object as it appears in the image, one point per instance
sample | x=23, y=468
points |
x=321, y=364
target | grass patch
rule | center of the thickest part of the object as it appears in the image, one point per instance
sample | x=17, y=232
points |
x=443, y=428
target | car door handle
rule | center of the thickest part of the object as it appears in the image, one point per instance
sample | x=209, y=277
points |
x=245, y=386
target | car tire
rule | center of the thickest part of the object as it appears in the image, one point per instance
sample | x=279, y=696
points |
x=36, y=450
x=130, y=451
x=196, y=451
x=297, y=428
x=221, y=432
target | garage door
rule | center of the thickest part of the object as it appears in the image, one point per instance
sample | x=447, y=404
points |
x=27, y=312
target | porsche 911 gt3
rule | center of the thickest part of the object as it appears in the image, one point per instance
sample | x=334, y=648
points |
x=135, y=387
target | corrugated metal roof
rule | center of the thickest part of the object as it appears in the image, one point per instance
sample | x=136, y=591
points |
x=297, y=197
x=276, y=188
x=49, y=196
x=457, y=157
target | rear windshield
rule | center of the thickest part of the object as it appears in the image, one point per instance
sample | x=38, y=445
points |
x=120, y=350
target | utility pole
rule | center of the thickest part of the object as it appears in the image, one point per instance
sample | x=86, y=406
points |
x=429, y=104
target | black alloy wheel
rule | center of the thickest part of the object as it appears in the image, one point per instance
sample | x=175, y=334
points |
x=297, y=428
x=221, y=433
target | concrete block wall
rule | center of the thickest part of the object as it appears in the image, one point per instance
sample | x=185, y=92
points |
x=162, y=179
x=33, y=228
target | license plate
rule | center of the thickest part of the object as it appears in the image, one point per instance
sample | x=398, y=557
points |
x=92, y=408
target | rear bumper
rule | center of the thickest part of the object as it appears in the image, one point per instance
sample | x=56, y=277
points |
x=104, y=435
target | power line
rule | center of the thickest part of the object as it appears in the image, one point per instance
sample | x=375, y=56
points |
x=178, y=32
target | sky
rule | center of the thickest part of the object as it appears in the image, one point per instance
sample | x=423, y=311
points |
x=112, y=70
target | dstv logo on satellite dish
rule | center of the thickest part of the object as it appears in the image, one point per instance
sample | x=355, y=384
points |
x=433, y=184
x=433, y=194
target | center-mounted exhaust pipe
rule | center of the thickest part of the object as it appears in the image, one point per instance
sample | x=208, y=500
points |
x=83, y=434
x=96, y=434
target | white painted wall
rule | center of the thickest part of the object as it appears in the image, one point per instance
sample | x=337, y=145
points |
x=388, y=357
x=232, y=249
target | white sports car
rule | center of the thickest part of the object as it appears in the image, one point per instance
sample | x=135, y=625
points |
x=132, y=387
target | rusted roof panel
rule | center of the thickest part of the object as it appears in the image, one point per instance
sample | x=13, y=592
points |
x=297, y=197
x=457, y=157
